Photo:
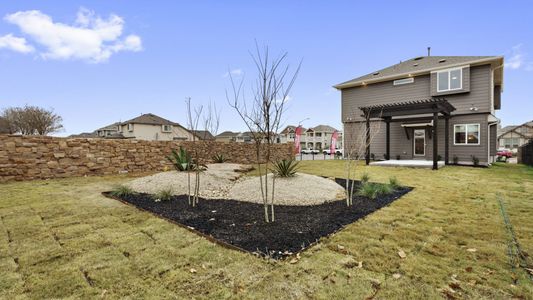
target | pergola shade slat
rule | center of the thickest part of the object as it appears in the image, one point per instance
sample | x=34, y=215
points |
x=413, y=107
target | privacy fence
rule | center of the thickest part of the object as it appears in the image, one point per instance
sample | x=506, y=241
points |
x=525, y=154
x=36, y=157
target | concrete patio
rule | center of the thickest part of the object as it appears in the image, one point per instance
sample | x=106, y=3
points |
x=411, y=163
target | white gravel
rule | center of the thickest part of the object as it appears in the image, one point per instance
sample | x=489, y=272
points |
x=214, y=182
x=302, y=189
x=223, y=181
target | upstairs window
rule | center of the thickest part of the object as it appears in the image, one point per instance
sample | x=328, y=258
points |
x=466, y=134
x=167, y=128
x=450, y=80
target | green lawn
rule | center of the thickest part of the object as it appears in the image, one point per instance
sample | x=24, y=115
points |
x=62, y=239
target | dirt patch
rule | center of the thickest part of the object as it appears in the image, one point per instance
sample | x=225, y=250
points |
x=242, y=225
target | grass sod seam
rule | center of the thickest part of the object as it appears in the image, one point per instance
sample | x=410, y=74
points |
x=516, y=256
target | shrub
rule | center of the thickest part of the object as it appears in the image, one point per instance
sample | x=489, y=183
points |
x=373, y=190
x=475, y=160
x=181, y=160
x=219, y=158
x=384, y=189
x=365, y=178
x=385, y=156
x=122, y=191
x=398, y=157
x=439, y=157
x=455, y=159
x=368, y=190
x=394, y=183
x=372, y=156
x=285, y=168
x=163, y=195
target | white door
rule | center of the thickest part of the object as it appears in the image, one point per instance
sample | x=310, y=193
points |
x=419, y=140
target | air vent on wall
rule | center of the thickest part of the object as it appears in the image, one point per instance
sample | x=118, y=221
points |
x=377, y=73
x=415, y=65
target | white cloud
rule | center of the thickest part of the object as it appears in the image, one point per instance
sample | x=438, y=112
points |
x=91, y=38
x=234, y=72
x=14, y=43
x=517, y=58
x=287, y=99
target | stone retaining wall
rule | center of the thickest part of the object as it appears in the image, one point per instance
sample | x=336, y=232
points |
x=40, y=157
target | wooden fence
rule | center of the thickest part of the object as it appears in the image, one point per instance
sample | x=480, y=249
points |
x=525, y=154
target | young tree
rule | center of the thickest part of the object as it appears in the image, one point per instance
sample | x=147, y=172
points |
x=193, y=117
x=262, y=111
x=355, y=149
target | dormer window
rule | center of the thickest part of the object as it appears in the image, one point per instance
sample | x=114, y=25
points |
x=167, y=128
x=450, y=80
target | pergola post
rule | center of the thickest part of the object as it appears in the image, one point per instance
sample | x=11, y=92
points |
x=435, y=141
x=367, y=154
x=387, y=121
x=446, y=139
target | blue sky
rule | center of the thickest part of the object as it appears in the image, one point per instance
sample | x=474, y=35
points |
x=142, y=56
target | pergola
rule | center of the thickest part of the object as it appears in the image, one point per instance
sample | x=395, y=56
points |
x=385, y=112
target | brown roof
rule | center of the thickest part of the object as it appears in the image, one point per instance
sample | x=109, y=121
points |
x=228, y=134
x=203, y=134
x=324, y=128
x=417, y=66
x=150, y=119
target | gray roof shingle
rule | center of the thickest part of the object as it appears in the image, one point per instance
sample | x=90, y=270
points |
x=414, y=65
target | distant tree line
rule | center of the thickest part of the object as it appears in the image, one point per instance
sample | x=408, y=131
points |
x=30, y=120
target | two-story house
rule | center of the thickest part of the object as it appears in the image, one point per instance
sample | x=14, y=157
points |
x=512, y=137
x=318, y=137
x=154, y=128
x=426, y=108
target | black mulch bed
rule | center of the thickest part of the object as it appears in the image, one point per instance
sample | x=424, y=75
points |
x=241, y=225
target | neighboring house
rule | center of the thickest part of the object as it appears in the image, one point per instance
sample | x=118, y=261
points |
x=318, y=137
x=227, y=136
x=4, y=126
x=108, y=130
x=203, y=135
x=512, y=137
x=244, y=137
x=153, y=128
x=425, y=108
x=84, y=135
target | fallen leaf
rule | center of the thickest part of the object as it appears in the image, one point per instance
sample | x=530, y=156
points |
x=340, y=247
x=192, y=270
x=204, y=267
x=402, y=254
x=360, y=264
x=471, y=250
x=396, y=275
x=468, y=269
x=529, y=270
x=293, y=261
x=472, y=282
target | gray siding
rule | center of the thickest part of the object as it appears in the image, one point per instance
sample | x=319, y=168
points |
x=385, y=92
x=465, y=84
x=493, y=140
x=400, y=145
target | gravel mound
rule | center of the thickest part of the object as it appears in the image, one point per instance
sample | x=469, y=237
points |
x=214, y=182
x=302, y=189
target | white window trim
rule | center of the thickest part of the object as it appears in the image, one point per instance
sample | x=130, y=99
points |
x=130, y=127
x=163, y=128
x=403, y=81
x=466, y=143
x=414, y=142
x=449, y=71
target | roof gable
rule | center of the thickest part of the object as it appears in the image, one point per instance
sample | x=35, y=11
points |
x=150, y=119
x=418, y=66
